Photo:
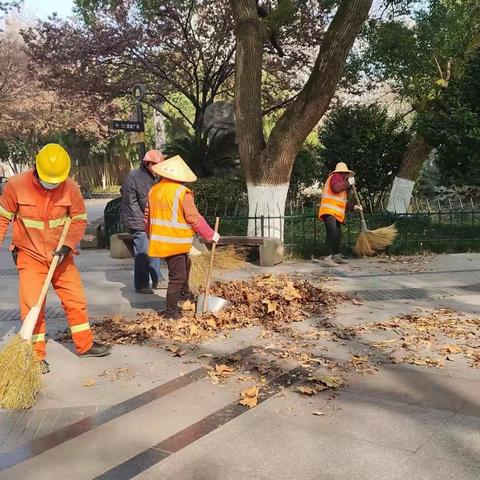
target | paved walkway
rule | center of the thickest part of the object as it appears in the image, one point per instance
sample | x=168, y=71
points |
x=151, y=415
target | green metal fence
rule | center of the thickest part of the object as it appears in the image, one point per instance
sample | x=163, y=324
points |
x=304, y=233
x=441, y=230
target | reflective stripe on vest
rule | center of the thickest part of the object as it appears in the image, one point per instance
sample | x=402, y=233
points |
x=5, y=213
x=167, y=223
x=163, y=238
x=334, y=204
x=170, y=234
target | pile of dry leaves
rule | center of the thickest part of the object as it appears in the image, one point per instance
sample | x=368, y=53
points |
x=265, y=300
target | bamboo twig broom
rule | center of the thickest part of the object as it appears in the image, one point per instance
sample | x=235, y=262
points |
x=226, y=258
x=20, y=369
x=371, y=241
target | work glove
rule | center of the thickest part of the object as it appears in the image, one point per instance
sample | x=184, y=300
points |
x=216, y=237
x=62, y=252
x=351, y=181
x=358, y=208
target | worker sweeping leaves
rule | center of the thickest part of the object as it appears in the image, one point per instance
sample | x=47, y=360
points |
x=333, y=208
x=171, y=221
x=39, y=202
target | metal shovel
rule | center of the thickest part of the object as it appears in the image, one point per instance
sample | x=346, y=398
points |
x=214, y=304
x=210, y=303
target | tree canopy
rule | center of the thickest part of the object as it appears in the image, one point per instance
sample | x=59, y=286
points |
x=183, y=50
x=370, y=142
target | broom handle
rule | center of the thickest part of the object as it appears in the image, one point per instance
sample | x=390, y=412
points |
x=54, y=263
x=31, y=321
x=210, y=267
x=357, y=199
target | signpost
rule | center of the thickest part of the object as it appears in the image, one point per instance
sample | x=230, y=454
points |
x=136, y=127
x=127, y=126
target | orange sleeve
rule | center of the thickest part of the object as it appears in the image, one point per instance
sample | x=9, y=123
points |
x=78, y=214
x=8, y=209
x=190, y=212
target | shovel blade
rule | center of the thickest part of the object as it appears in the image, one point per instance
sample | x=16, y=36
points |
x=214, y=304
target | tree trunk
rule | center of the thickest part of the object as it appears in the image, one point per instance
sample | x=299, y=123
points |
x=401, y=193
x=268, y=166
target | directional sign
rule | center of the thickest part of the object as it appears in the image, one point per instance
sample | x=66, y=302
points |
x=127, y=126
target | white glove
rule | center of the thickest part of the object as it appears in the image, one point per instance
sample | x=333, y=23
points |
x=351, y=181
x=216, y=237
x=358, y=208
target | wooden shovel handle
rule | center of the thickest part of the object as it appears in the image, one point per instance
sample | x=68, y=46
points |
x=210, y=267
x=54, y=263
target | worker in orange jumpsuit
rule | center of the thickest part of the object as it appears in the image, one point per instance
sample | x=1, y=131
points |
x=39, y=202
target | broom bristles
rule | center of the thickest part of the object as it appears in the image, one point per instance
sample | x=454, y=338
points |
x=226, y=258
x=20, y=375
x=372, y=241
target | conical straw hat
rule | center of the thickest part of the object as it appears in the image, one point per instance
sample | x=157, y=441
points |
x=175, y=169
x=342, y=168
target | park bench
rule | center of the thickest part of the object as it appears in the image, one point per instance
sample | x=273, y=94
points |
x=270, y=249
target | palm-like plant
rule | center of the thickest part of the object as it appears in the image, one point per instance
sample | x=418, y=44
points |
x=216, y=156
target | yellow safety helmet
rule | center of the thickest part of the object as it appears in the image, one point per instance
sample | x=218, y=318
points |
x=53, y=163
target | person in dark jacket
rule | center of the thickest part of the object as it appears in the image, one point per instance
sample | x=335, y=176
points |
x=134, y=200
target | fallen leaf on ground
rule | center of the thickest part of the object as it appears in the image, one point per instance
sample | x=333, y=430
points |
x=331, y=382
x=172, y=348
x=249, y=397
x=307, y=390
x=446, y=349
x=224, y=370
x=193, y=330
x=318, y=414
x=89, y=382
x=188, y=306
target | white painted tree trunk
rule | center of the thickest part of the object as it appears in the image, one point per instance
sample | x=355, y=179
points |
x=159, y=126
x=266, y=210
x=400, y=195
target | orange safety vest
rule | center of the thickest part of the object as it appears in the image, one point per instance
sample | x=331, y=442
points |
x=334, y=204
x=170, y=234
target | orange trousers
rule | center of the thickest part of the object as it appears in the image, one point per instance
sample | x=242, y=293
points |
x=67, y=284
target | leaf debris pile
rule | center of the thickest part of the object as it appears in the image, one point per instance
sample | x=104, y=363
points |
x=265, y=300
x=444, y=332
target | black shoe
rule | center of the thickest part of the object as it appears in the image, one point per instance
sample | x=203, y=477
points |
x=172, y=314
x=187, y=295
x=147, y=291
x=97, y=350
x=44, y=367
